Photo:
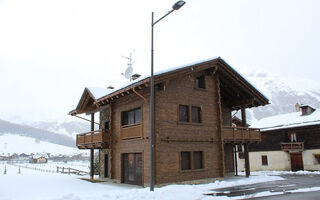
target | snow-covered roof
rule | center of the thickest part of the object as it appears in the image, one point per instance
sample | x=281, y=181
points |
x=101, y=96
x=290, y=120
x=102, y=92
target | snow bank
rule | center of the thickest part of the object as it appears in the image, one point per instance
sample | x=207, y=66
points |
x=35, y=185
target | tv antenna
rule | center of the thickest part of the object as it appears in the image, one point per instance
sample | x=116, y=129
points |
x=128, y=73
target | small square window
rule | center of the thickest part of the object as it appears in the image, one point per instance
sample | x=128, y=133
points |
x=264, y=160
x=183, y=113
x=200, y=82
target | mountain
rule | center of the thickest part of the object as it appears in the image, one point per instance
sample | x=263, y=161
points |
x=283, y=94
x=17, y=144
x=66, y=127
x=35, y=133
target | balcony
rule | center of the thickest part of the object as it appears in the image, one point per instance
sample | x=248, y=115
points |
x=240, y=134
x=292, y=146
x=94, y=139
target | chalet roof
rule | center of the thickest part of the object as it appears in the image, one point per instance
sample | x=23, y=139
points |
x=233, y=86
x=290, y=120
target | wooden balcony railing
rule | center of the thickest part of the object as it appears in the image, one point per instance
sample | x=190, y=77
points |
x=240, y=134
x=292, y=146
x=94, y=139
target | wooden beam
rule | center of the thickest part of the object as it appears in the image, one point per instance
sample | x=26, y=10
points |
x=219, y=115
x=246, y=159
x=137, y=93
x=92, y=150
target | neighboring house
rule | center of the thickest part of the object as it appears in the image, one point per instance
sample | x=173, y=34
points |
x=194, y=137
x=289, y=142
x=39, y=159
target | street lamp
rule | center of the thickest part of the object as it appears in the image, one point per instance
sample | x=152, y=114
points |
x=176, y=6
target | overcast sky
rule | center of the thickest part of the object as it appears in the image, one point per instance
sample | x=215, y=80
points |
x=50, y=50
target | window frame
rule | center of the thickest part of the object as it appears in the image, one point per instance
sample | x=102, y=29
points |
x=192, y=160
x=199, y=113
x=190, y=115
x=200, y=82
x=187, y=114
x=264, y=160
x=127, y=115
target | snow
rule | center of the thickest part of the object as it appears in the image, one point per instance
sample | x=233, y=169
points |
x=10, y=144
x=99, y=92
x=39, y=185
x=102, y=92
x=288, y=121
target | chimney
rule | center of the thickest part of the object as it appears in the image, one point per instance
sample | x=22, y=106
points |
x=297, y=106
x=135, y=76
x=110, y=87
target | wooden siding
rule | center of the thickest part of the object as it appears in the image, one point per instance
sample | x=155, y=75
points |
x=173, y=136
x=133, y=131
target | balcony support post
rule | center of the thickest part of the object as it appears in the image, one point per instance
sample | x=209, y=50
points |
x=243, y=117
x=246, y=159
x=92, y=150
x=235, y=160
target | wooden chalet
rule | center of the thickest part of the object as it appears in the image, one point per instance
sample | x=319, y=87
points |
x=194, y=137
x=289, y=141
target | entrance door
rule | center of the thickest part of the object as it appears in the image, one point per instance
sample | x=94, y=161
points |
x=132, y=168
x=106, y=166
x=296, y=161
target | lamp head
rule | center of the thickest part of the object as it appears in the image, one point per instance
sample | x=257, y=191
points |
x=178, y=5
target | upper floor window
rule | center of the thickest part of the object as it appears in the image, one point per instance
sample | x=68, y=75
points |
x=196, y=114
x=200, y=82
x=131, y=117
x=185, y=111
x=293, y=137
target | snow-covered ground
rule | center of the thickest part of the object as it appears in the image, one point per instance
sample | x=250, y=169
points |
x=17, y=144
x=40, y=185
x=33, y=185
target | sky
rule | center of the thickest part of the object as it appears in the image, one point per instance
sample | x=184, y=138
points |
x=50, y=50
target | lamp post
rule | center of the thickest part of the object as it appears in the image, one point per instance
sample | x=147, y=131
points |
x=176, y=6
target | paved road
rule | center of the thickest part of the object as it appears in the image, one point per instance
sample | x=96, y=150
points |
x=282, y=187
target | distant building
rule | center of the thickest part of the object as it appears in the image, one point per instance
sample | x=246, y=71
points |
x=39, y=159
x=288, y=142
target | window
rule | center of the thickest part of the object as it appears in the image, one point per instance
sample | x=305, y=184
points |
x=185, y=161
x=183, y=113
x=264, y=160
x=196, y=114
x=200, y=82
x=197, y=160
x=293, y=137
x=317, y=157
x=131, y=117
x=194, y=157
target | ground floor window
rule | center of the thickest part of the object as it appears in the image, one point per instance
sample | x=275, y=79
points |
x=191, y=160
x=264, y=160
x=317, y=157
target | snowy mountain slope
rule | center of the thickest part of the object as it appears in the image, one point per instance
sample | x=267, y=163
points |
x=38, y=134
x=283, y=93
x=66, y=127
x=10, y=144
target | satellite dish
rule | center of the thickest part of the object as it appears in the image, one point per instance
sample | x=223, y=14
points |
x=128, y=72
